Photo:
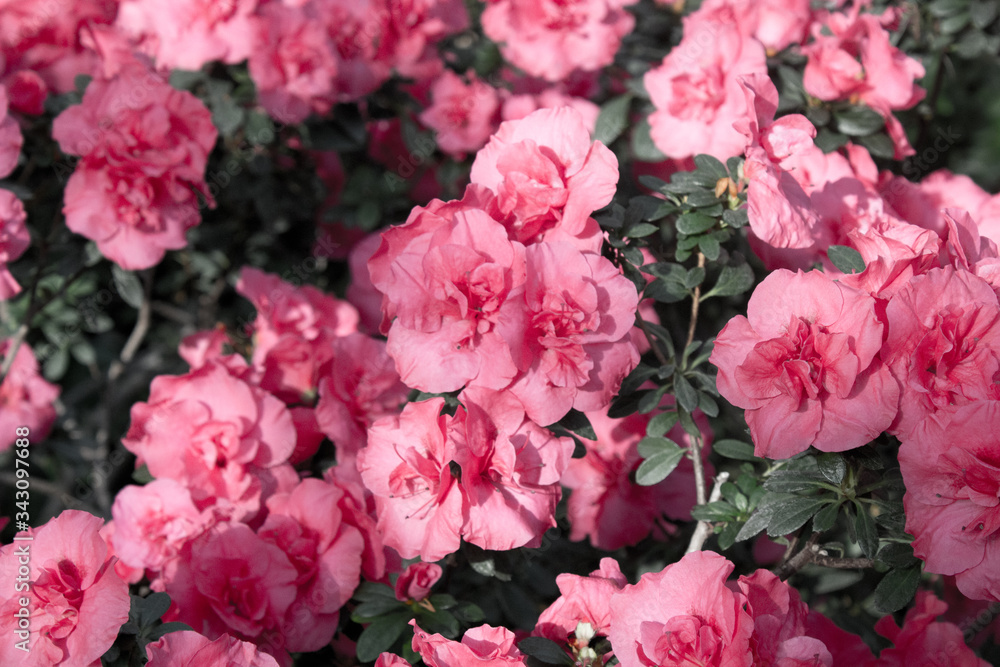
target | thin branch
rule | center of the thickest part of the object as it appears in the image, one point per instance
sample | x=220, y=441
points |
x=696, y=300
x=704, y=528
x=813, y=553
x=653, y=343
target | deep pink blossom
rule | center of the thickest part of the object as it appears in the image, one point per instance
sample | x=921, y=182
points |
x=75, y=600
x=10, y=137
x=952, y=474
x=221, y=437
x=804, y=366
x=416, y=581
x=190, y=33
x=14, y=240
x=582, y=600
x=26, y=397
x=567, y=328
x=682, y=614
x=231, y=581
x=484, y=646
x=548, y=175
x=607, y=505
x=462, y=114
x=143, y=146
x=696, y=90
x=551, y=39
x=924, y=641
x=191, y=649
x=943, y=343
x=307, y=525
x=445, y=276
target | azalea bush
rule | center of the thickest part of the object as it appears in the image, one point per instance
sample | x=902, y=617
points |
x=557, y=333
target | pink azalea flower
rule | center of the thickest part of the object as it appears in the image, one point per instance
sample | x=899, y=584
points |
x=804, y=365
x=143, y=146
x=191, y=649
x=487, y=474
x=42, y=49
x=154, y=522
x=10, y=137
x=943, y=343
x=445, y=276
x=294, y=332
x=685, y=613
x=568, y=329
x=484, y=646
x=26, y=397
x=548, y=175
x=952, y=476
x=606, y=505
x=696, y=90
x=14, y=240
x=922, y=640
x=582, y=600
x=190, y=33
x=416, y=581
x=236, y=438
x=406, y=467
x=75, y=600
x=231, y=581
x=551, y=39
x=294, y=65
x=307, y=524
x=462, y=114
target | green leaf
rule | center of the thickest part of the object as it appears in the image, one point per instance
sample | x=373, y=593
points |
x=832, y=466
x=865, y=529
x=636, y=378
x=791, y=514
x=370, y=590
x=846, y=259
x=128, y=286
x=896, y=589
x=665, y=291
x=732, y=281
x=828, y=141
x=141, y=475
x=167, y=628
x=577, y=422
x=656, y=468
x=710, y=247
x=380, y=635
x=879, y=145
x=793, y=481
x=439, y=621
x=735, y=218
x=694, y=277
x=701, y=198
x=613, y=119
x=375, y=608
x=662, y=423
x=858, y=121
x=545, y=650
x=485, y=565
x=687, y=396
x=826, y=518
x=147, y=610
x=897, y=555
x=727, y=538
x=641, y=230
x=694, y=223
x=734, y=449
x=719, y=510
x=642, y=144
x=983, y=12
x=759, y=520
x=711, y=166
x=708, y=405
x=652, y=445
